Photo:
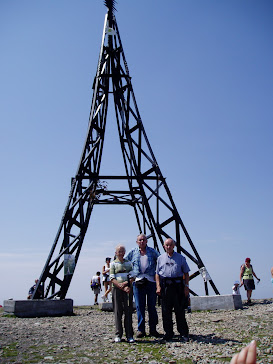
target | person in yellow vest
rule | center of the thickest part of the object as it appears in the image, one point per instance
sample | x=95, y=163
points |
x=246, y=278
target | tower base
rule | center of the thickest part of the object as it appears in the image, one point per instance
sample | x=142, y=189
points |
x=39, y=308
x=219, y=302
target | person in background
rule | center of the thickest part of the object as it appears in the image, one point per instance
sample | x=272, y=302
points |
x=246, y=278
x=170, y=269
x=144, y=259
x=106, y=280
x=31, y=291
x=96, y=286
x=121, y=277
x=236, y=288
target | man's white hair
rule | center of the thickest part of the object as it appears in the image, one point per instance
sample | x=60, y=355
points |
x=174, y=243
x=142, y=235
x=120, y=246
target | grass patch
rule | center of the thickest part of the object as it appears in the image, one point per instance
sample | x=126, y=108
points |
x=226, y=360
x=9, y=315
x=10, y=351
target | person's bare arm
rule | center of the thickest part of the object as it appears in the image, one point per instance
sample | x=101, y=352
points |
x=241, y=275
x=255, y=275
x=158, y=287
x=186, y=282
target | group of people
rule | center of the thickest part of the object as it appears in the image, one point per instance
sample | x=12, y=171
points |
x=95, y=283
x=145, y=274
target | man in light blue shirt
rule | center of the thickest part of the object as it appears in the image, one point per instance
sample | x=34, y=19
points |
x=172, y=284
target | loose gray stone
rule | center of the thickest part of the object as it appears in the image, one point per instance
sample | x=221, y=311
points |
x=88, y=337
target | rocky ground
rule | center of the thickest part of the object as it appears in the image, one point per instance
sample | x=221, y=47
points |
x=87, y=337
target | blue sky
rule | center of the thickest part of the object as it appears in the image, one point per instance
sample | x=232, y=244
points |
x=202, y=76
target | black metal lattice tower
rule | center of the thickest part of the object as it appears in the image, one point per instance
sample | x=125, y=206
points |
x=146, y=189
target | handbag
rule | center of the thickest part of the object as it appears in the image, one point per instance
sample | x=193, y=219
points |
x=141, y=283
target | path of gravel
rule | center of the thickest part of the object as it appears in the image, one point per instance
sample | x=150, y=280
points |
x=87, y=337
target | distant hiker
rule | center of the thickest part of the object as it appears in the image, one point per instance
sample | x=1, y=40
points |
x=106, y=280
x=246, y=278
x=39, y=293
x=96, y=286
x=236, y=288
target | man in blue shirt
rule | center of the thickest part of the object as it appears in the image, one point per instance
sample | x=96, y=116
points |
x=172, y=284
x=143, y=259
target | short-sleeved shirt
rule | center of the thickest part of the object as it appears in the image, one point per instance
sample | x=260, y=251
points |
x=172, y=267
x=120, y=270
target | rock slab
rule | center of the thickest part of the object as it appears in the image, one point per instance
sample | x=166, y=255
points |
x=39, y=308
x=219, y=302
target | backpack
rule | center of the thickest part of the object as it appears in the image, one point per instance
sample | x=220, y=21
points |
x=94, y=285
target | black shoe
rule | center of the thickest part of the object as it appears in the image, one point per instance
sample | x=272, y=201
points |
x=184, y=339
x=154, y=333
x=167, y=337
x=140, y=334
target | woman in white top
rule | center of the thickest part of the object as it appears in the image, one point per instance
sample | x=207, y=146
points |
x=106, y=280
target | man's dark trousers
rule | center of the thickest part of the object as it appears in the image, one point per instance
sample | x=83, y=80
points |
x=173, y=297
x=123, y=304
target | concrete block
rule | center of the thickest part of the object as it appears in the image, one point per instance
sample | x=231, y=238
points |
x=39, y=308
x=106, y=306
x=220, y=302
